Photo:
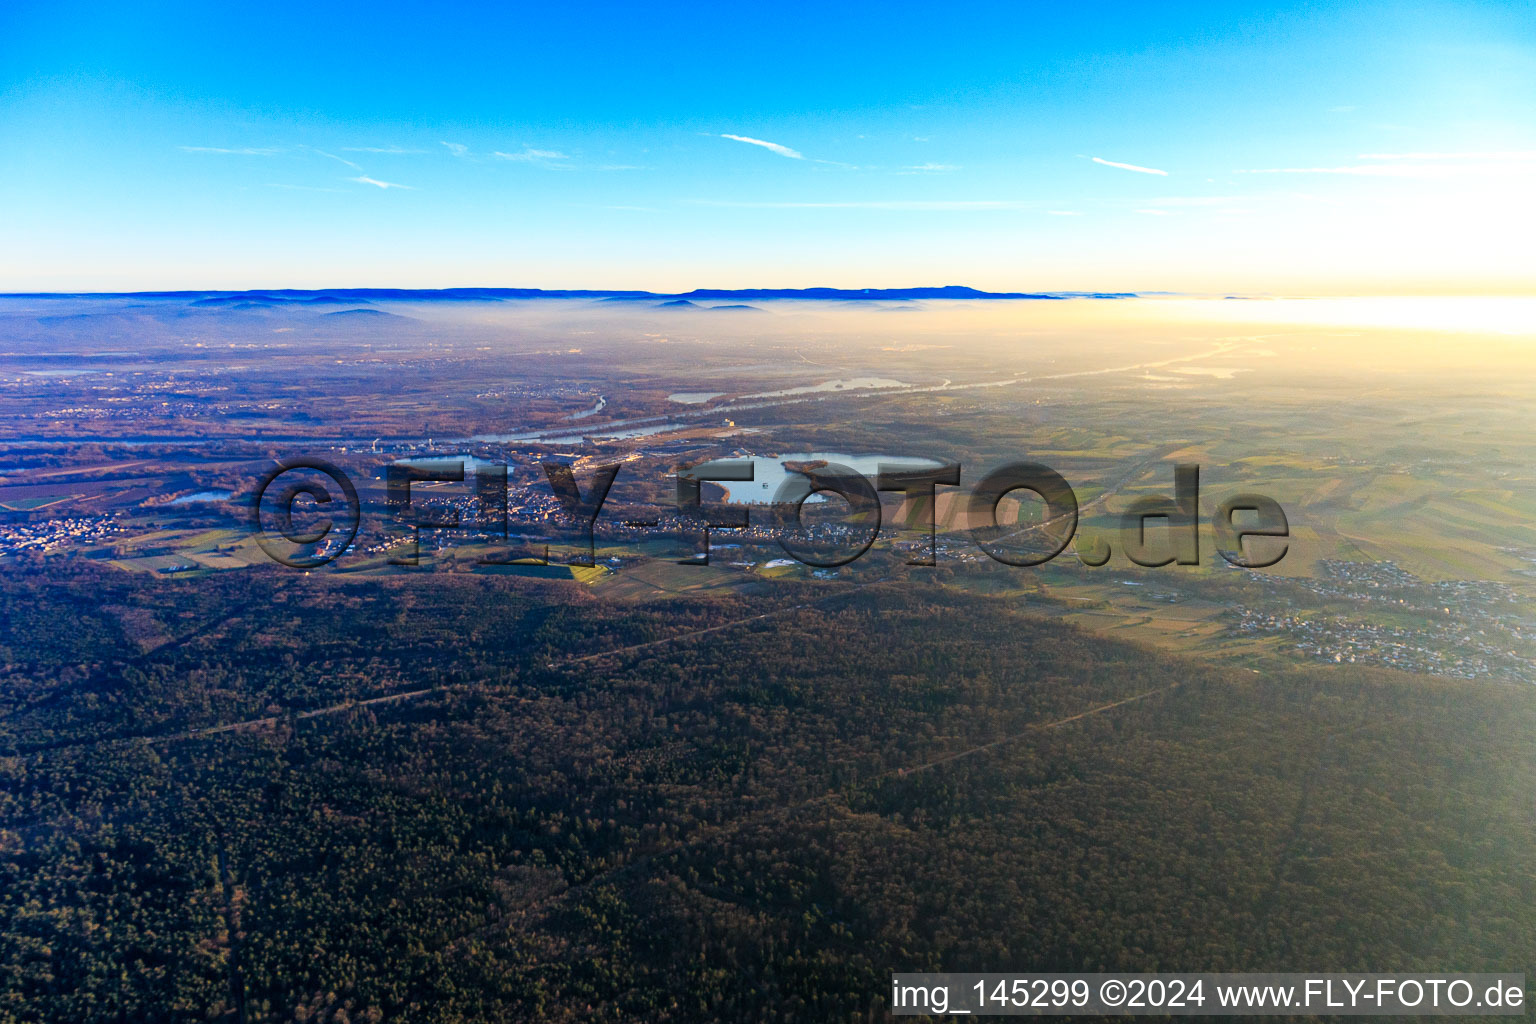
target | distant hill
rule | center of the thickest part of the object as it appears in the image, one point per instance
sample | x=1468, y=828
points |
x=248, y=300
x=353, y=296
x=952, y=291
x=373, y=314
x=690, y=304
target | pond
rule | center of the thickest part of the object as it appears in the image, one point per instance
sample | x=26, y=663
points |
x=202, y=496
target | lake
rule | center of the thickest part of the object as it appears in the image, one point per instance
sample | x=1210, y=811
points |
x=768, y=472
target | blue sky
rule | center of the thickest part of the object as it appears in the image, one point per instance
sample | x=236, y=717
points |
x=1309, y=148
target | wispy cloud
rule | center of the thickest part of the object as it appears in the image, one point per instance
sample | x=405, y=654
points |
x=533, y=156
x=1153, y=213
x=1129, y=167
x=773, y=147
x=1064, y=213
x=243, y=151
x=365, y=180
x=338, y=159
x=929, y=168
x=457, y=148
x=385, y=150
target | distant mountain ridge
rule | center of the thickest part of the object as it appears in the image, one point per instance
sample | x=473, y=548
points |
x=333, y=296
